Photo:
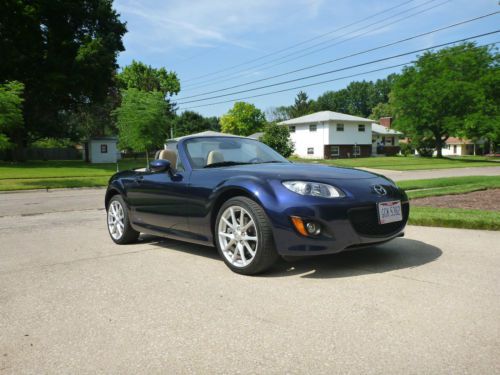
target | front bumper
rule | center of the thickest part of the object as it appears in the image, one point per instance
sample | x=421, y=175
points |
x=346, y=224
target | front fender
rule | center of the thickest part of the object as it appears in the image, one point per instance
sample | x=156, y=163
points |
x=115, y=186
x=261, y=191
x=257, y=189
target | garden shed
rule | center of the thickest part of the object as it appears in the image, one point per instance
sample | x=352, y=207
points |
x=101, y=150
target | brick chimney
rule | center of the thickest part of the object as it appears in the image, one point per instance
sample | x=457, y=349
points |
x=386, y=121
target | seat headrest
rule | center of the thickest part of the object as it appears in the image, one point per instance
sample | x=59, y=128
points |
x=169, y=155
x=214, y=157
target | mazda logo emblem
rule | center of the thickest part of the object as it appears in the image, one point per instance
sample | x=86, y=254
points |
x=380, y=190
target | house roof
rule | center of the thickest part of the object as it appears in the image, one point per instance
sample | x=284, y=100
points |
x=382, y=130
x=324, y=116
x=104, y=139
x=208, y=133
x=256, y=136
x=458, y=141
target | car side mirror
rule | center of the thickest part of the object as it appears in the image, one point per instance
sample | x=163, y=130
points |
x=160, y=165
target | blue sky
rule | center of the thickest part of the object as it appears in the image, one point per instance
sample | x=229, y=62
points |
x=196, y=38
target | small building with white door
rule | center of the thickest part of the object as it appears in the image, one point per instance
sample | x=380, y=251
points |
x=101, y=150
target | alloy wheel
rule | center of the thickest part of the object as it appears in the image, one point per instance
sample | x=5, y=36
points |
x=116, y=220
x=238, y=236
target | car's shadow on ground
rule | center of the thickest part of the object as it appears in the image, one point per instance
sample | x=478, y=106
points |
x=398, y=254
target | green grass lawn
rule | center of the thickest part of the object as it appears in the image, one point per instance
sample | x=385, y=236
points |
x=59, y=174
x=454, y=218
x=401, y=163
x=449, y=185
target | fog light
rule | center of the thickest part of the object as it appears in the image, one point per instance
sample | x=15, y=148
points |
x=313, y=228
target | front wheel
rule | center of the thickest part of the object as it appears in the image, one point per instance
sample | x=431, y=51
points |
x=244, y=237
x=118, y=222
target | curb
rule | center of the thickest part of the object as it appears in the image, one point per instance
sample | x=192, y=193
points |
x=52, y=190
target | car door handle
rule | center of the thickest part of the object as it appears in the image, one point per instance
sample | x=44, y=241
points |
x=139, y=179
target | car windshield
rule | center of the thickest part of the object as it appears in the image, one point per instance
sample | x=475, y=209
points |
x=212, y=152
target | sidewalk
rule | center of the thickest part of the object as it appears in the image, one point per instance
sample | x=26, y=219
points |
x=436, y=173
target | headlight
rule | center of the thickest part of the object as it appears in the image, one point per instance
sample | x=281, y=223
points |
x=315, y=189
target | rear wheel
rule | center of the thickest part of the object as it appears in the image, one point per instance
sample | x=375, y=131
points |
x=118, y=222
x=244, y=237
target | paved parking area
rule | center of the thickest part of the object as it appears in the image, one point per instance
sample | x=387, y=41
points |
x=73, y=302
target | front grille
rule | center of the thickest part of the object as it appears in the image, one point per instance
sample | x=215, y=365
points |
x=365, y=221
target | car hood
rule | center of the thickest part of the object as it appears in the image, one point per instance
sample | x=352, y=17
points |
x=303, y=171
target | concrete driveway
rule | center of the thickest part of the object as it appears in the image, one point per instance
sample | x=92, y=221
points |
x=73, y=302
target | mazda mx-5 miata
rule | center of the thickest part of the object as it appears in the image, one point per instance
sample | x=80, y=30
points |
x=253, y=204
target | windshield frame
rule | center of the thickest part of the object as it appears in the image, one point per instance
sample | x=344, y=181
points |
x=278, y=158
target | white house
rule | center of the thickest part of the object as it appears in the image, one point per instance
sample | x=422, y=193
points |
x=327, y=135
x=384, y=139
x=460, y=146
x=101, y=150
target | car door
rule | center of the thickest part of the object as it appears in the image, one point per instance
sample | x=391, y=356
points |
x=158, y=202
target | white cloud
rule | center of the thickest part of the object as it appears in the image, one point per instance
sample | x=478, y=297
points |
x=159, y=25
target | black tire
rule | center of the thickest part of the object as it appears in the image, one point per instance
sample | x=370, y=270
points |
x=129, y=235
x=265, y=252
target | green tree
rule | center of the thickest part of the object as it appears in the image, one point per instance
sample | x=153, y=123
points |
x=358, y=98
x=190, y=122
x=144, y=77
x=382, y=110
x=443, y=92
x=141, y=120
x=485, y=124
x=278, y=137
x=302, y=106
x=65, y=54
x=11, y=114
x=93, y=119
x=243, y=119
x=335, y=101
x=278, y=114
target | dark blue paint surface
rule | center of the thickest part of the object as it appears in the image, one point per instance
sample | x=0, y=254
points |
x=183, y=205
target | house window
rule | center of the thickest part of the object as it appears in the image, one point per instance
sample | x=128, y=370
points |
x=356, y=151
x=312, y=128
x=292, y=129
x=361, y=128
x=104, y=149
x=340, y=127
x=454, y=149
x=334, y=151
x=310, y=151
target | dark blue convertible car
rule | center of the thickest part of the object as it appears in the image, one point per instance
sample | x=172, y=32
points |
x=252, y=204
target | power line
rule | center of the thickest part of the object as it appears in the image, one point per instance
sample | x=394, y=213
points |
x=343, y=57
x=303, y=42
x=326, y=81
x=266, y=65
x=340, y=69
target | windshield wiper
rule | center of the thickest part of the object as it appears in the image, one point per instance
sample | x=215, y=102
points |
x=224, y=164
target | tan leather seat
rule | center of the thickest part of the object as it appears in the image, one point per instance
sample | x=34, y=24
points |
x=169, y=155
x=214, y=157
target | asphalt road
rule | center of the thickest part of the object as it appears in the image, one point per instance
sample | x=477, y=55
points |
x=437, y=173
x=73, y=302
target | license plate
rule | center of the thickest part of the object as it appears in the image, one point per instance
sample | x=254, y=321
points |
x=389, y=212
